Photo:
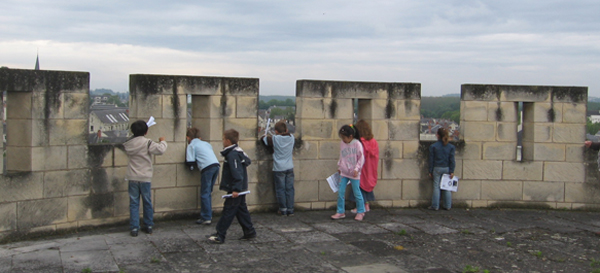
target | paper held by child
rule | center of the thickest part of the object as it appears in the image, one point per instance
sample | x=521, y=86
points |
x=334, y=181
x=151, y=122
x=229, y=195
x=449, y=184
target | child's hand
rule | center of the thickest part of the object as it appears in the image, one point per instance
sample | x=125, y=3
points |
x=451, y=175
x=355, y=173
x=235, y=194
x=588, y=144
x=162, y=138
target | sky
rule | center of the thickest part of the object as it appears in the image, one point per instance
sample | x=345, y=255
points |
x=438, y=43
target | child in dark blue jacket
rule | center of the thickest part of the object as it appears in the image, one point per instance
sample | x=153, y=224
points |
x=234, y=180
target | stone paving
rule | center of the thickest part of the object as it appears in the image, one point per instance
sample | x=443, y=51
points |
x=388, y=240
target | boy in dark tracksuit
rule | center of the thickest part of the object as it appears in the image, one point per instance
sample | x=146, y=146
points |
x=234, y=180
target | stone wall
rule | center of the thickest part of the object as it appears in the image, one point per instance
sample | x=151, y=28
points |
x=54, y=180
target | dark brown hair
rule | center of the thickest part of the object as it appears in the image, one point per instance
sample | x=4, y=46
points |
x=348, y=131
x=364, y=129
x=443, y=134
x=232, y=135
x=281, y=127
x=193, y=133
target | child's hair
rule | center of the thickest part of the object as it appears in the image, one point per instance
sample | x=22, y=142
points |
x=281, y=127
x=232, y=135
x=193, y=133
x=139, y=128
x=443, y=134
x=349, y=131
x=364, y=129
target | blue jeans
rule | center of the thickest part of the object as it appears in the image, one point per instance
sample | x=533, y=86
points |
x=207, y=182
x=341, y=203
x=137, y=188
x=447, y=195
x=284, y=190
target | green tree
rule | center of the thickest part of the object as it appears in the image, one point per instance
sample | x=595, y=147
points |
x=592, y=128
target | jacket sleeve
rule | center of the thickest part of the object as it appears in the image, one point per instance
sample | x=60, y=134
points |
x=157, y=148
x=190, y=155
x=237, y=171
x=431, y=155
x=361, y=158
x=452, y=162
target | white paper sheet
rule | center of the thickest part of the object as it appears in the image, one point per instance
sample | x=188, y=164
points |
x=334, y=181
x=449, y=184
x=151, y=122
x=229, y=195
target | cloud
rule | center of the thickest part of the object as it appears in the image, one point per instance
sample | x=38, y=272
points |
x=439, y=43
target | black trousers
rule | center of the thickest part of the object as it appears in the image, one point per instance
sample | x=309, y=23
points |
x=235, y=207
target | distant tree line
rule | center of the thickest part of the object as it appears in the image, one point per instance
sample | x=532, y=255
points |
x=441, y=108
x=264, y=105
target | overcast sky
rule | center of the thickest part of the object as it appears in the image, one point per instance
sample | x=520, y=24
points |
x=439, y=43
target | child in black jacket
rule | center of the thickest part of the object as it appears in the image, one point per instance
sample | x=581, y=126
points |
x=234, y=180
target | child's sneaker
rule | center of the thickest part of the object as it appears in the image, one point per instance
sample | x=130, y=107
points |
x=147, y=230
x=359, y=216
x=215, y=239
x=203, y=222
x=134, y=232
x=289, y=214
x=338, y=216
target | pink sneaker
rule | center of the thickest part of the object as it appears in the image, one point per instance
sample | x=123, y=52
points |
x=353, y=211
x=338, y=216
x=359, y=216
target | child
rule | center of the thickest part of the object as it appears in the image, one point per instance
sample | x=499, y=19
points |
x=200, y=153
x=283, y=167
x=139, y=174
x=234, y=180
x=368, y=175
x=441, y=161
x=349, y=166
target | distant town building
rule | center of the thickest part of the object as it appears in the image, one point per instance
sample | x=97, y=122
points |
x=430, y=126
x=108, y=123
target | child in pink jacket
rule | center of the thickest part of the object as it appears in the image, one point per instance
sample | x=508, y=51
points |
x=349, y=166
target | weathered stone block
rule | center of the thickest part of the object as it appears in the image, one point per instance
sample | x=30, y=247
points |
x=318, y=129
x=372, y=109
x=574, y=113
x=325, y=192
x=507, y=131
x=247, y=127
x=240, y=86
x=458, y=168
x=47, y=105
x=417, y=189
x=474, y=110
x=388, y=189
x=338, y=108
x=164, y=175
x=313, y=89
x=575, y=153
x=77, y=157
x=502, y=111
x=247, y=107
x=92, y=207
x=317, y=169
x=20, y=133
x=407, y=110
x=499, y=150
x=502, y=190
x=390, y=149
x=174, y=106
x=49, y=158
x=479, y=92
x=175, y=153
x=307, y=150
x=18, y=158
x=68, y=132
x=468, y=190
x=306, y=191
x=146, y=84
x=471, y=150
x=401, y=169
x=120, y=158
x=122, y=204
x=106, y=180
x=44, y=212
x=150, y=105
x=66, y=183
x=310, y=108
x=329, y=149
x=261, y=193
x=404, y=130
x=571, y=94
x=176, y=199
x=564, y=172
x=582, y=192
x=380, y=129
x=542, y=132
x=544, y=191
x=198, y=85
x=185, y=177
x=547, y=112
x=76, y=105
x=548, y=152
x=258, y=167
x=482, y=169
x=206, y=106
x=19, y=106
x=525, y=170
x=569, y=133
x=8, y=216
x=411, y=149
x=478, y=131
x=525, y=93
x=210, y=129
